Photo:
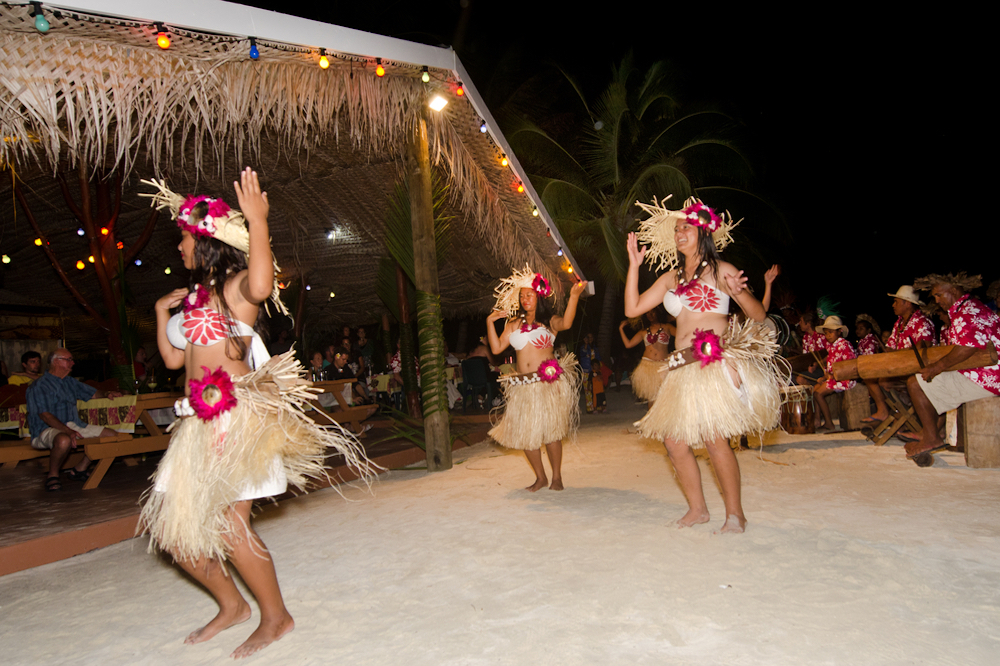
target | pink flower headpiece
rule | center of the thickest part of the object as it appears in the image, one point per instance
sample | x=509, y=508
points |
x=691, y=214
x=706, y=347
x=212, y=394
x=218, y=210
x=541, y=286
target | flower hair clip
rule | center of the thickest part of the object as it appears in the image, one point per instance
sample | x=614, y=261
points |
x=217, y=210
x=693, y=217
x=541, y=286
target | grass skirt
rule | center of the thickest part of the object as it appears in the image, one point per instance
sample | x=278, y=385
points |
x=540, y=412
x=698, y=404
x=210, y=465
x=646, y=379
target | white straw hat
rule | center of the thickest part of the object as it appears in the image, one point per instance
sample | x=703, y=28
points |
x=907, y=293
x=833, y=323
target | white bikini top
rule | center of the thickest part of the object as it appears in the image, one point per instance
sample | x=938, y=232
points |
x=697, y=296
x=205, y=327
x=540, y=338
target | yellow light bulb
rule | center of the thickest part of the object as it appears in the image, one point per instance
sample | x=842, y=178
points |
x=81, y=265
x=504, y=162
x=163, y=40
x=38, y=242
x=324, y=62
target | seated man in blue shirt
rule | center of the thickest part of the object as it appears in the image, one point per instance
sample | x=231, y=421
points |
x=52, y=417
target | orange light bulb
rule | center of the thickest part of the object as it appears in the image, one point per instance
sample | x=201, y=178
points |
x=104, y=231
x=81, y=265
x=379, y=70
x=520, y=188
x=163, y=40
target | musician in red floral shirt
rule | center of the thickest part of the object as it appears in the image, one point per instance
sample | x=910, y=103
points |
x=838, y=349
x=812, y=341
x=911, y=322
x=867, y=330
x=937, y=389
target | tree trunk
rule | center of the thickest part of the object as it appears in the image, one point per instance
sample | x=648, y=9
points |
x=608, y=326
x=430, y=329
x=406, y=368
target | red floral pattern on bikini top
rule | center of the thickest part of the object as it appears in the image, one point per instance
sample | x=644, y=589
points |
x=700, y=297
x=205, y=326
x=975, y=325
x=662, y=337
x=918, y=326
x=543, y=340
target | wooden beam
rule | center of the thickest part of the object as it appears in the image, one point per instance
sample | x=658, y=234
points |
x=436, y=428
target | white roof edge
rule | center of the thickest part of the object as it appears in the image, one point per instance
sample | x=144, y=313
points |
x=216, y=16
x=231, y=19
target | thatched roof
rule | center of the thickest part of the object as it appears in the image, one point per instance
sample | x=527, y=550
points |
x=329, y=144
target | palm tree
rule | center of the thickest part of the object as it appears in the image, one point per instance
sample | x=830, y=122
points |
x=634, y=141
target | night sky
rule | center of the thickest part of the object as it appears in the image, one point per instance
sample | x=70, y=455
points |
x=868, y=131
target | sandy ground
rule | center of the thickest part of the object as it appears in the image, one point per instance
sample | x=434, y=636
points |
x=852, y=555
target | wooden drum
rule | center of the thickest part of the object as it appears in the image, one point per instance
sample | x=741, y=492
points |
x=797, y=410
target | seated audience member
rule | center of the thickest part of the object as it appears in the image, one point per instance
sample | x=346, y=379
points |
x=140, y=365
x=867, y=330
x=911, y=323
x=52, y=417
x=937, y=388
x=31, y=369
x=812, y=341
x=281, y=345
x=838, y=349
x=341, y=369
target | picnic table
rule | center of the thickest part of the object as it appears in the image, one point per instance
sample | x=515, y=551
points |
x=348, y=413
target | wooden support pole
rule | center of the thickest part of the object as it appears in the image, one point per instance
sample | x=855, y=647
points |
x=437, y=431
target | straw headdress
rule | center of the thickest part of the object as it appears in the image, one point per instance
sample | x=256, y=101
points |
x=961, y=280
x=508, y=292
x=658, y=231
x=222, y=223
x=871, y=322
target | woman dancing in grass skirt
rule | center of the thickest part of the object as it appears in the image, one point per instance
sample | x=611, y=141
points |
x=541, y=401
x=646, y=378
x=724, y=380
x=242, y=432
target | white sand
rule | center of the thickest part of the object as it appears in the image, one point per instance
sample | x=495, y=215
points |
x=853, y=555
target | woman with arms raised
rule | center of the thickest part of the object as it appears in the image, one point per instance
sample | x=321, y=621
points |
x=646, y=377
x=242, y=434
x=722, y=381
x=542, y=400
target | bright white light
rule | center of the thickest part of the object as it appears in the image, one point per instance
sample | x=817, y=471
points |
x=438, y=102
x=308, y=287
x=138, y=262
x=331, y=235
x=80, y=232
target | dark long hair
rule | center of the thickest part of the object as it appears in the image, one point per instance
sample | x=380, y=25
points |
x=706, y=246
x=214, y=263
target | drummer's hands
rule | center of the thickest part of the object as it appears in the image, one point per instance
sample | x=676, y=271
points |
x=253, y=202
x=635, y=253
x=931, y=371
x=736, y=283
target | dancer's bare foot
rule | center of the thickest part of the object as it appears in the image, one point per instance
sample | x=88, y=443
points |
x=693, y=517
x=538, y=485
x=221, y=622
x=734, y=525
x=266, y=634
x=556, y=484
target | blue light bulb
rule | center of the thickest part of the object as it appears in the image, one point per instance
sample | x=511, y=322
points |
x=41, y=23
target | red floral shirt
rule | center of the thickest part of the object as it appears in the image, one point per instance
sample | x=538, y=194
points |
x=919, y=327
x=868, y=345
x=814, y=341
x=975, y=325
x=840, y=350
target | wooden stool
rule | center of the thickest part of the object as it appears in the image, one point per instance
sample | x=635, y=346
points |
x=979, y=432
x=900, y=415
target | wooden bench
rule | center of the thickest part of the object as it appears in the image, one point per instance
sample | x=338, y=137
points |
x=979, y=432
x=347, y=414
x=104, y=450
